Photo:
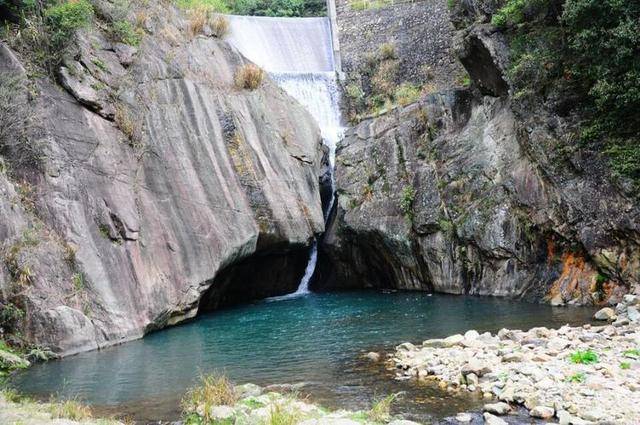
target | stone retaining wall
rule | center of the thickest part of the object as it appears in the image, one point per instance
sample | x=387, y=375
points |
x=420, y=30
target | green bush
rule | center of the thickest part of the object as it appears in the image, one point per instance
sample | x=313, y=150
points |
x=578, y=378
x=588, y=51
x=66, y=17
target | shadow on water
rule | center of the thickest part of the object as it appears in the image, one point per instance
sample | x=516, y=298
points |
x=318, y=340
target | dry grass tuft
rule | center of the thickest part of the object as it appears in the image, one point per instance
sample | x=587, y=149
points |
x=126, y=122
x=70, y=409
x=249, y=76
x=214, y=390
x=198, y=18
x=219, y=25
x=381, y=409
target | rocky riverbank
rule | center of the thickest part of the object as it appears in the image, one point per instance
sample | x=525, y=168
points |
x=573, y=375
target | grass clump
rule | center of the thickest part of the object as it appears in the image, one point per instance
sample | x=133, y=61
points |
x=219, y=25
x=584, y=357
x=381, y=409
x=407, y=93
x=634, y=353
x=279, y=414
x=249, y=76
x=625, y=365
x=213, y=390
x=70, y=409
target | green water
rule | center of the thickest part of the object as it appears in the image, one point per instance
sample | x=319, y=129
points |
x=317, y=340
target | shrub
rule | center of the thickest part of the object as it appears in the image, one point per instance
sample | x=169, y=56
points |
x=213, y=390
x=634, y=353
x=381, y=409
x=625, y=365
x=64, y=18
x=249, y=76
x=198, y=18
x=584, y=357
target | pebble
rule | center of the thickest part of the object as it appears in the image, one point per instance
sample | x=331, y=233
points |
x=497, y=408
x=490, y=419
x=542, y=412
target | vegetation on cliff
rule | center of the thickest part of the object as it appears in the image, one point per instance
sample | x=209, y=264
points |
x=587, y=54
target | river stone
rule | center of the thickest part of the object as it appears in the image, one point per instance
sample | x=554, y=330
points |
x=434, y=343
x=542, y=412
x=406, y=346
x=606, y=313
x=490, y=419
x=499, y=408
x=558, y=344
x=512, y=357
x=403, y=422
x=472, y=379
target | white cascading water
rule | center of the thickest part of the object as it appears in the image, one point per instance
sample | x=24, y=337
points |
x=297, y=53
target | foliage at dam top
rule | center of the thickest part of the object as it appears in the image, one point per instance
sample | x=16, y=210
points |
x=283, y=8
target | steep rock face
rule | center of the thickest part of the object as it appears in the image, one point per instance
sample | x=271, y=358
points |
x=453, y=194
x=475, y=192
x=157, y=175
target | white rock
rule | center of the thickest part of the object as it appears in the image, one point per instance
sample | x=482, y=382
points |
x=463, y=418
x=489, y=419
x=374, y=357
x=542, y=412
x=499, y=408
x=406, y=346
x=606, y=313
x=434, y=343
x=403, y=422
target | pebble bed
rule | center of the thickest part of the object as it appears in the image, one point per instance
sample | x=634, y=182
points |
x=571, y=375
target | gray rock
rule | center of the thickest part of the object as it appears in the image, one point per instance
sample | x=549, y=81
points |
x=633, y=314
x=374, y=357
x=463, y=418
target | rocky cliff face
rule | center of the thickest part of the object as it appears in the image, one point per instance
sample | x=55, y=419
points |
x=158, y=175
x=471, y=192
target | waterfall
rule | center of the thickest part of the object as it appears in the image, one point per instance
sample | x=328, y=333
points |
x=298, y=55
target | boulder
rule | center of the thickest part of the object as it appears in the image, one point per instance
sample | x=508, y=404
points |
x=374, y=357
x=477, y=367
x=463, y=418
x=606, y=313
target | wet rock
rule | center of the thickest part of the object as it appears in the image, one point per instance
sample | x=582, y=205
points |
x=221, y=413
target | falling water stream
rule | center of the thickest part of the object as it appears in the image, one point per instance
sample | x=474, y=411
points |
x=297, y=53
